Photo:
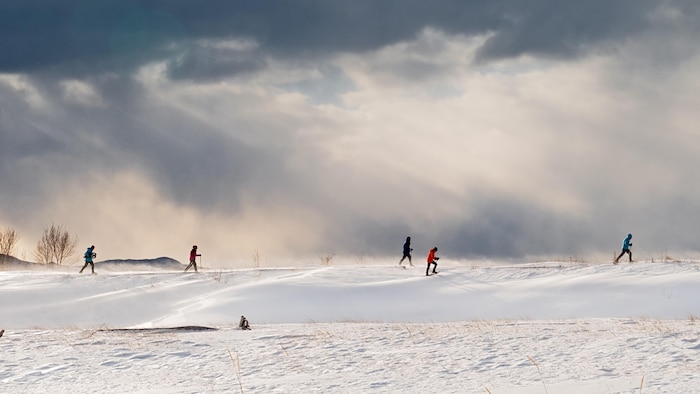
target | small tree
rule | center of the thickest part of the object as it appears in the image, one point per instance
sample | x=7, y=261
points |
x=326, y=260
x=43, y=251
x=55, y=246
x=8, y=241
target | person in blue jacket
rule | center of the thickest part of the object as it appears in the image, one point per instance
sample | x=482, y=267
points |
x=626, y=245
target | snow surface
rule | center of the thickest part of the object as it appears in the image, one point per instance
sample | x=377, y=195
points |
x=473, y=328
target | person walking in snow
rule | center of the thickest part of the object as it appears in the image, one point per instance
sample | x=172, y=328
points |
x=626, y=245
x=432, y=259
x=89, y=255
x=193, y=258
x=407, y=251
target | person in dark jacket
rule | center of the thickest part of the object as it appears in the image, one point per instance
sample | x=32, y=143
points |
x=193, y=258
x=407, y=252
x=626, y=245
x=89, y=255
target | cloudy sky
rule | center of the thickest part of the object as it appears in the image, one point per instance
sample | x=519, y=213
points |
x=500, y=129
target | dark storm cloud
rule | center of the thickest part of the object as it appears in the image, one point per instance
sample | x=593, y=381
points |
x=499, y=227
x=23, y=142
x=84, y=37
x=41, y=150
x=564, y=29
x=19, y=137
x=512, y=228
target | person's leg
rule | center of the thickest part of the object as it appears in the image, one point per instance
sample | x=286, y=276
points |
x=427, y=270
x=618, y=257
x=81, y=270
x=188, y=267
x=194, y=263
x=401, y=261
x=630, y=253
x=92, y=266
x=409, y=260
x=434, y=267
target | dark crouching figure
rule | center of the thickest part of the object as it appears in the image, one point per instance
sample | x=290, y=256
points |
x=89, y=255
x=243, y=324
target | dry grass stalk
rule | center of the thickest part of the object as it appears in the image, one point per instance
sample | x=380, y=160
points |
x=237, y=368
x=539, y=372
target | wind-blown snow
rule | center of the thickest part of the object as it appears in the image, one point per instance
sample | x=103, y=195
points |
x=473, y=328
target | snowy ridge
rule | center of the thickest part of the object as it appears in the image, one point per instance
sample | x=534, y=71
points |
x=116, y=265
x=563, y=328
x=161, y=298
x=11, y=262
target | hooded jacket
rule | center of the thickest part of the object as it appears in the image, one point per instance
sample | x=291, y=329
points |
x=407, y=247
x=626, y=242
x=88, y=255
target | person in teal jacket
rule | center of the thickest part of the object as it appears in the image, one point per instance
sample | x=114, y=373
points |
x=89, y=255
x=626, y=245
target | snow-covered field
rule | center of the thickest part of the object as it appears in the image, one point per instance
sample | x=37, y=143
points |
x=473, y=328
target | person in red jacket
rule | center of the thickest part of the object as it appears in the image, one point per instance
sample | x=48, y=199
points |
x=193, y=258
x=432, y=259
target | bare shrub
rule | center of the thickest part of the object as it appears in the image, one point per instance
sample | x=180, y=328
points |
x=8, y=241
x=326, y=260
x=43, y=252
x=55, y=246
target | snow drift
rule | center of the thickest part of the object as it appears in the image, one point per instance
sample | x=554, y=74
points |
x=498, y=328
